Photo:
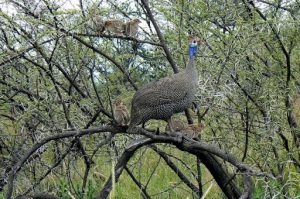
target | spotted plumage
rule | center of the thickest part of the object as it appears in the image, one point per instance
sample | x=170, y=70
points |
x=161, y=99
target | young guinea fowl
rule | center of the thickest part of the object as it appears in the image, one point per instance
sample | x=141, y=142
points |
x=191, y=130
x=176, y=125
x=120, y=113
x=96, y=23
x=161, y=99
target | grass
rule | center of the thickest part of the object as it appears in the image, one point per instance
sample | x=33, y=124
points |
x=164, y=182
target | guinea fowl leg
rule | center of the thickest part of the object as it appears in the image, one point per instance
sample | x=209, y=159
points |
x=172, y=131
x=169, y=121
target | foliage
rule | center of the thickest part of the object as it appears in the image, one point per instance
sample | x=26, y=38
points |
x=57, y=74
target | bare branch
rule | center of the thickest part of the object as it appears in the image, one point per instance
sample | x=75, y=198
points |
x=176, y=169
x=160, y=36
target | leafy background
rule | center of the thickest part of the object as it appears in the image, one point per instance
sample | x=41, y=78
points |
x=51, y=80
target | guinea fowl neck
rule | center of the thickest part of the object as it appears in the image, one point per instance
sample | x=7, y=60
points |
x=191, y=65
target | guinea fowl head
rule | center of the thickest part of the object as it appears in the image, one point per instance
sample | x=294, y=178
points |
x=194, y=41
x=136, y=21
x=118, y=102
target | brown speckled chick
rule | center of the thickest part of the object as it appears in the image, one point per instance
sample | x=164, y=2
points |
x=193, y=130
x=176, y=125
x=120, y=113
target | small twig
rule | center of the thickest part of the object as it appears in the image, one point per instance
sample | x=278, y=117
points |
x=199, y=179
x=160, y=36
x=141, y=187
x=62, y=157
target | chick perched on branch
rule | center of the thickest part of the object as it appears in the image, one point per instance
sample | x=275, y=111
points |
x=96, y=23
x=191, y=130
x=176, y=125
x=114, y=26
x=131, y=27
x=121, y=114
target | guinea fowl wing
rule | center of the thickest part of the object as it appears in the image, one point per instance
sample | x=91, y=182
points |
x=165, y=91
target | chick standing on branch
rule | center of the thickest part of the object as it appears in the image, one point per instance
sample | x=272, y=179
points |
x=115, y=26
x=121, y=114
x=131, y=27
x=96, y=23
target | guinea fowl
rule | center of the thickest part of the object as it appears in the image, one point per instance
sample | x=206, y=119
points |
x=161, y=99
x=96, y=23
x=176, y=125
x=191, y=131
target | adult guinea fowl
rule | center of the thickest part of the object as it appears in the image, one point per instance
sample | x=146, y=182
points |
x=161, y=99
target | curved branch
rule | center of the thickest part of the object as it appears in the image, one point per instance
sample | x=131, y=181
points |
x=75, y=133
x=121, y=164
x=186, y=144
x=182, y=143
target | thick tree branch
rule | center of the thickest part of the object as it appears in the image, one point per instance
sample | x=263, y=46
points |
x=36, y=146
x=183, y=143
x=118, y=37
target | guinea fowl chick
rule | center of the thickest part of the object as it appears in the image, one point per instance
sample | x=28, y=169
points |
x=193, y=130
x=96, y=23
x=176, y=125
x=120, y=113
x=131, y=27
x=114, y=26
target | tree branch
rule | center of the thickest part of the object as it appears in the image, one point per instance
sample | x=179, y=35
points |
x=121, y=164
x=141, y=187
x=160, y=36
x=176, y=169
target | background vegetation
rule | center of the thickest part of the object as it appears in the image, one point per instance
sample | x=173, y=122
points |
x=57, y=74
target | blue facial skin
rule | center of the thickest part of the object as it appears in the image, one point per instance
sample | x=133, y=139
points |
x=193, y=49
